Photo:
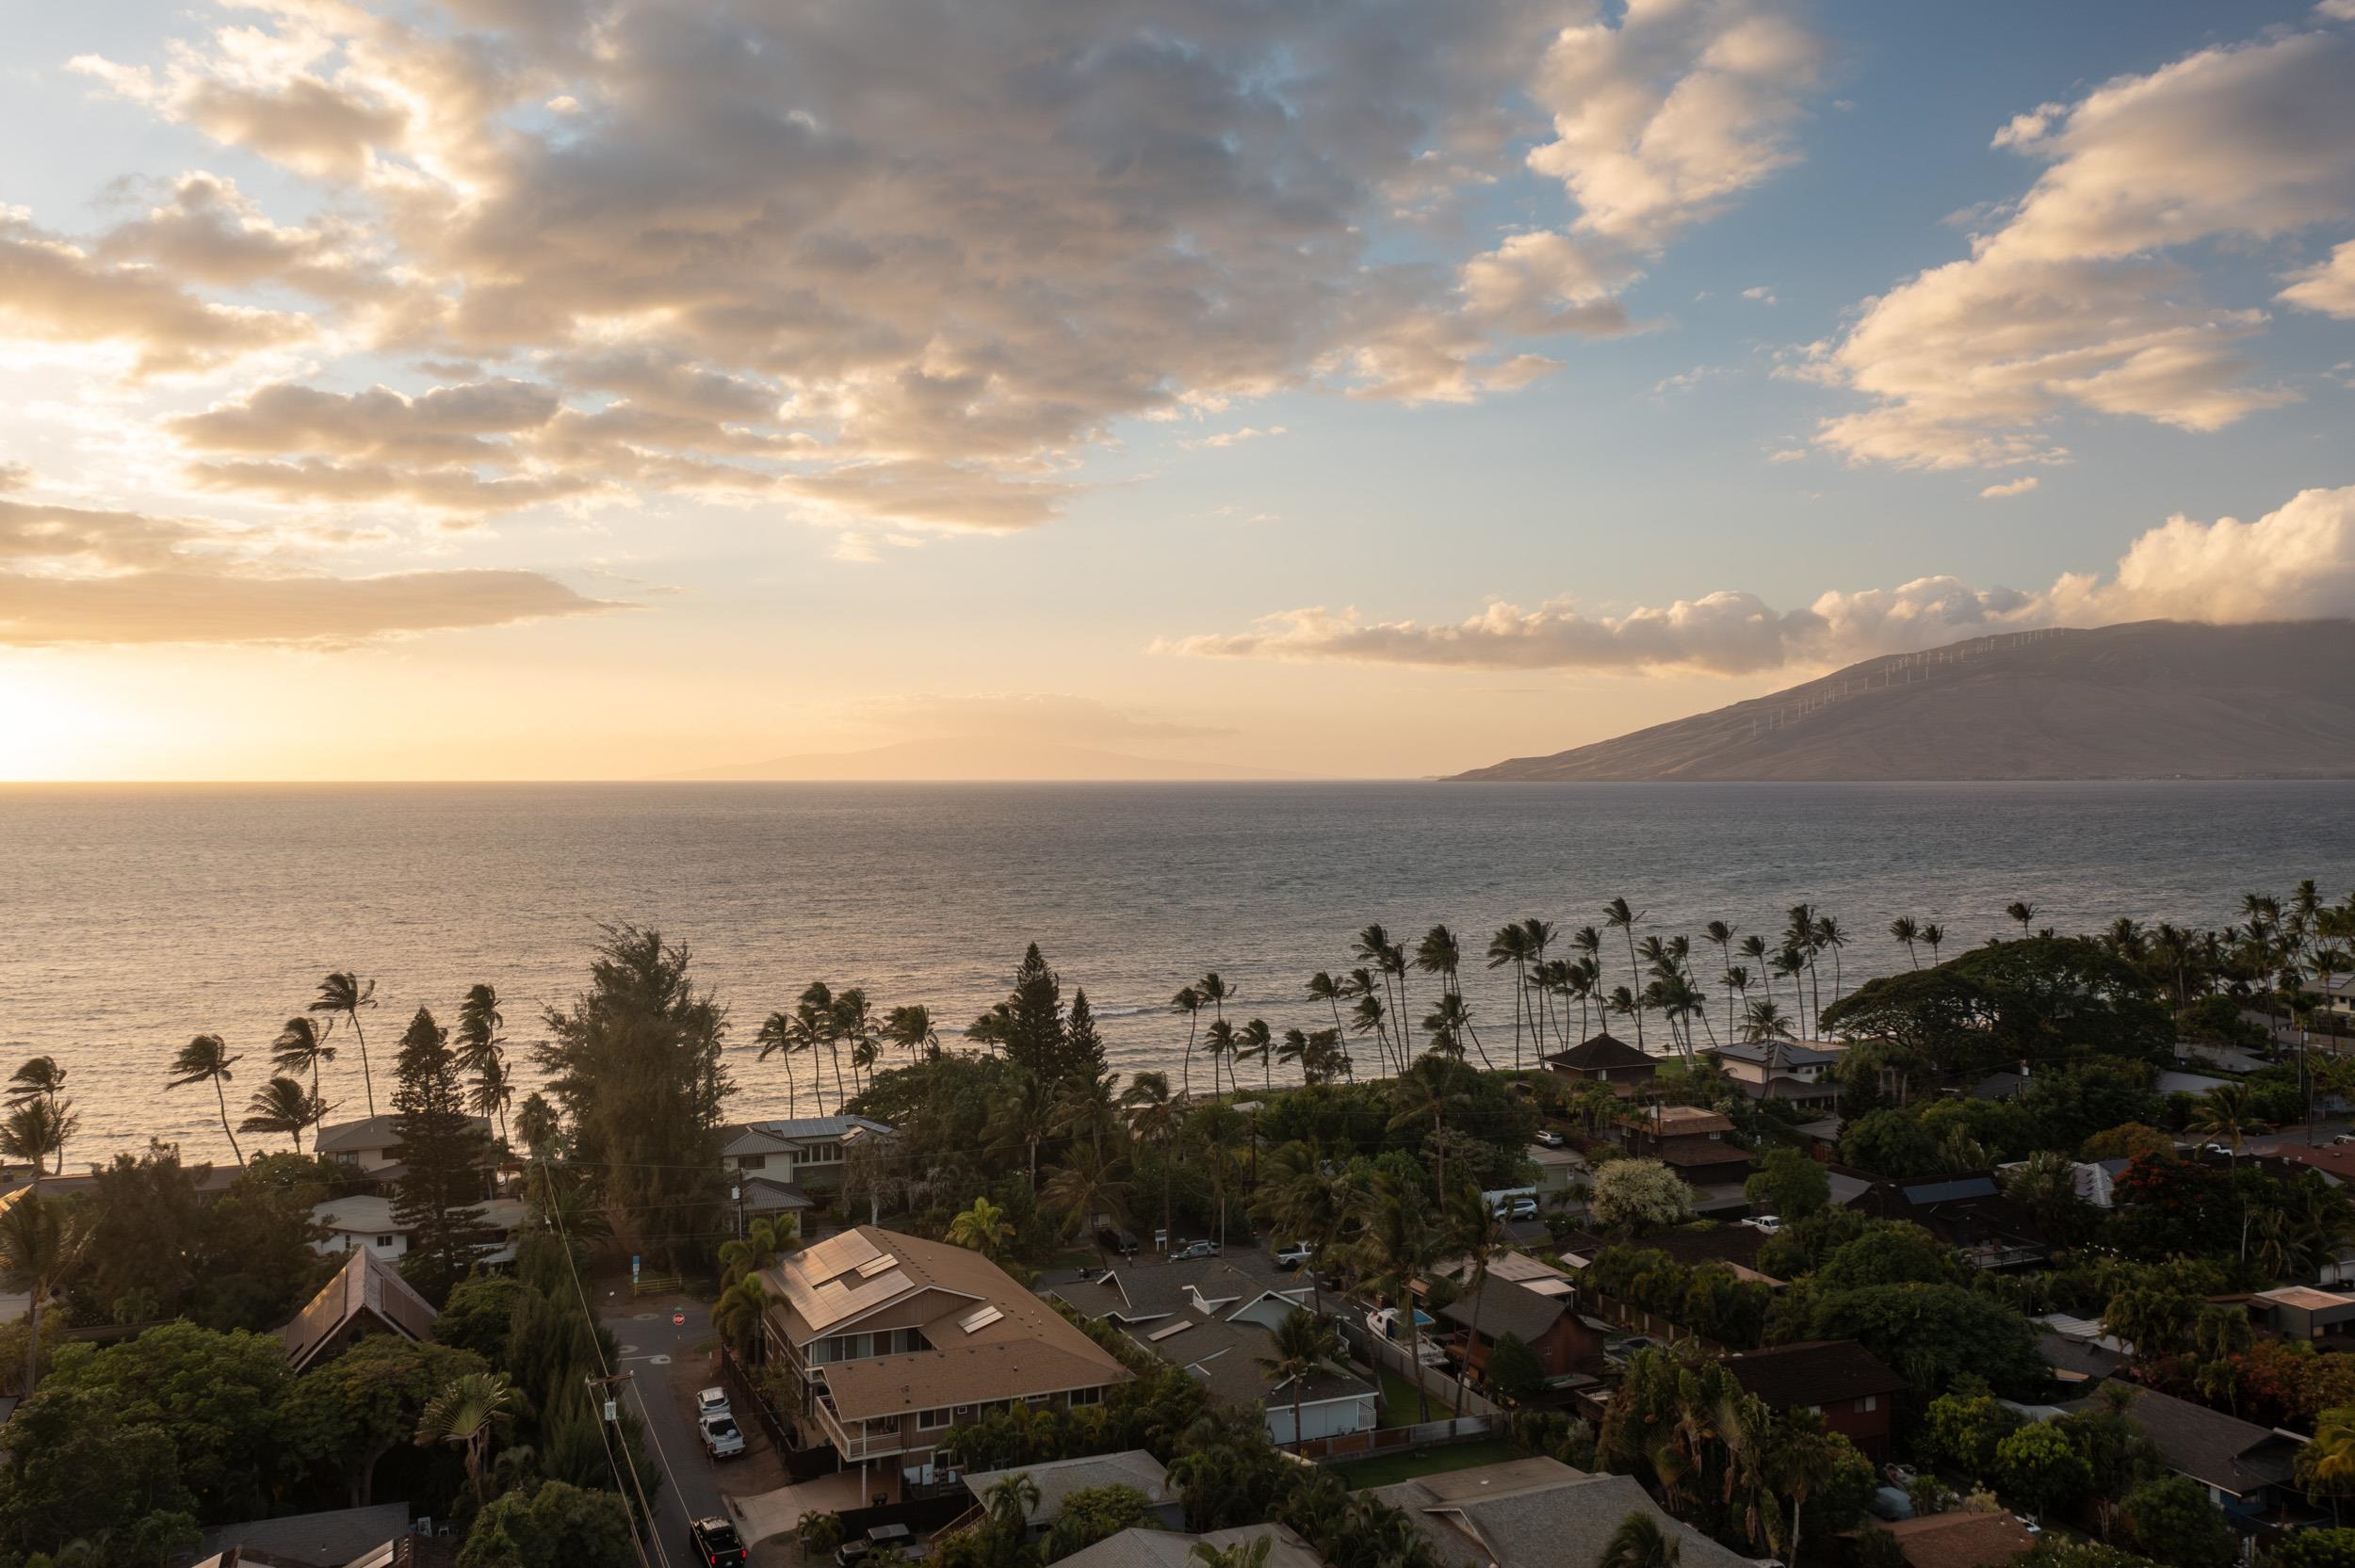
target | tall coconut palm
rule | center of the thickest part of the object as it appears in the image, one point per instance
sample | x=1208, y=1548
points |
x=910, y=1028
x=1511, y=944
x=39, y=1247
x=1539, y=936
x=816, y=1027
x=1302, y=1345
x=1375, y=949
x=1323, y=988
x=2021, y=911
x=282, y=1106
x=1759, y=957
x=1830, y=938
x=1188, y=1001
x=736, y=1316
x=344, y=994
x=1302, y=1199
x=1255, y=1043
x=1085, y=1192
x=206, y=1059
x=1371, y=1014
x=302, y=1048
x=482, y=1052
x=1620, y=918
x=40, y=1079
x=1933, y=935
x=983, y=1228
x=1396, y=1248
x=35, y=1131
x=2224, y=1115
x=854, y=1025
x=1908, y=932
x=1721, y=934
x=1476, y=1233
x=464, y=1413
x=777, y=1036
x=1218, y=1044
x=1154, y=1119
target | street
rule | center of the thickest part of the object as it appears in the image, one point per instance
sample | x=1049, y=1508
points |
x=666, y=1368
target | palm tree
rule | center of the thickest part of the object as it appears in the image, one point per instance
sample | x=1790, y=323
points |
x=1302, y=1345
x=1511, y=944
x=818, y=1533
x=1375, y=949
x=1475, y=1231
x=1800, y=1454
x=911, y=1029
x=815, y=1026
x=1424, y=1092
x=480, y=1051
x=39, y=1249
x=2021, y=911
x=2326, y=1463
x=282, y=1106
x=1932, y=935
x=1154, y=1120
x=302, y=1048
x=1218, y=1044
x=1010, y=1502
x=206, y=1059
x=2223, y=1115
x=345, y=993
x=1301, y=1200
x=983, y=1228
x=777, y=1037
x=36, y=1130
x=1323, y=988
x=1396, y=1247
x=1639, y=1543
x=464, y=1413
x=763, y=1242
x=1085, y=1190
x=1620, y=918
x=41, y=1081
x=737, y=1315
x=1188, y=1001
x=1908, y=932
x=854, y=1025
x=1239, y=1554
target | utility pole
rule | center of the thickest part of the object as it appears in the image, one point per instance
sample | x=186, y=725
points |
x=602, y=1389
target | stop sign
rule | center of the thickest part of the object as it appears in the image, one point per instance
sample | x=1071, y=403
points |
x=678, y=1319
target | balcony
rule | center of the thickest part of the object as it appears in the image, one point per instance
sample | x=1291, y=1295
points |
x=852, y=1439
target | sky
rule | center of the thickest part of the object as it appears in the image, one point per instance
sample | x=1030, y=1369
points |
x=468, y=389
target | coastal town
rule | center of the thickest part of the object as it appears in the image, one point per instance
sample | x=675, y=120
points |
x=2039, y=1251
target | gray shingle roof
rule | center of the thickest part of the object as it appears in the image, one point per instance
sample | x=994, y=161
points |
x=2219, y=1450
x=1538, y=1513
x=1149, y=1548
x=364, y=1288
x=1058, y=1478
x=1603, y=1050
x=1505, y=1307
x=328, y=1540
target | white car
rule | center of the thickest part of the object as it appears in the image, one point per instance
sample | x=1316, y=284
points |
x=1770, y=1223
x=1188, y=1251
x=711, y=1402
x=1292, y=1255
x=1552, y=1139
x=720, y=1438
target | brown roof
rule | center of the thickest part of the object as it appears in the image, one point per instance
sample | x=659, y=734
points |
x=1676, y=1121
x=884, y=1386
x=1505, y=1307
x=1961, y=1539
x=1812, y=1372
x=2331, y=1159
x=1700, y=1151
x=365, y=1287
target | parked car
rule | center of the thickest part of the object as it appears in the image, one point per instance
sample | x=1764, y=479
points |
x=722, y=1440
x=1294, y=1254
x=1552, y=1139
x=716, y=1543
x=896, y=1537
x=1626, y=1348
x=1187, y=1251
x=1770, y=1223
x=1523, y=1208
x=711, y=1402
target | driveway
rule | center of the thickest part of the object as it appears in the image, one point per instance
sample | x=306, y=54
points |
x=668, y=1363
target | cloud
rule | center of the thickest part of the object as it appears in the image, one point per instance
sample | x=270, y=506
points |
x=1233, y=438
x=2009, y=488
x=2296, y=562
x=74, y=574
x=1764, y=295
x=52, y=291
x=2080, y=300
x=896, y=264
x=2328, y=286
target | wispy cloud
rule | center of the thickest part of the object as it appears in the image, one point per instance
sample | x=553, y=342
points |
x=2009, y=488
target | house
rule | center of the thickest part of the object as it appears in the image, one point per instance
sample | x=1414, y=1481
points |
x=1551, y=1325
x=1606, y=1060
x=1217, y=1321
x=1967, y=1212
x=2096, y=1180
x=2335, y=1161
x=328, y=1540
x=2246, y=1468
x=2193, y=1084
x=888, y=1340
x=1537, y=1514
x=1779, y=1069
x=1837, y=1379
x=1142, y=1547
x=1961, y=1539
x=789, y=1166
x=368, y=1146
x=2302, y=1312
x=365, y=1220
x=1059, y=1478
x=1558, y=1170
x=366, y=1295
x=1523, y=1268
x=1690, y=1140
x=1735, y=1246
x=2079, y=1350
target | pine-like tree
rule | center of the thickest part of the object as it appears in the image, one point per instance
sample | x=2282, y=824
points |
x=444, y=1154
x=1082, y=1049
x=1035, y=1034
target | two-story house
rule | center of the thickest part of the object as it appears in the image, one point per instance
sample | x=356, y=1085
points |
x=1691, y=1141
x=1604, y=1059
x=1549, y=1324
x=371, y=1148
x=1838, y=1378
x=1781, y=1069
x=785, y=1168
x=889, y=1340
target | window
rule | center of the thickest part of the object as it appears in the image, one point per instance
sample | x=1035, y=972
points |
x=820, y=1153
x=1086, y=1397
x=1812, y=1410
x=386, y=1240
x=751, y=1162
x=1870, y=1402
x=931, y=1420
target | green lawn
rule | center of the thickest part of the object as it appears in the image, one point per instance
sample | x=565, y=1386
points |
x=1391, y=1469
x=1399, y=1407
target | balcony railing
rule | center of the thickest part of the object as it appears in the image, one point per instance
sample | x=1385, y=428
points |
x=860, y=1444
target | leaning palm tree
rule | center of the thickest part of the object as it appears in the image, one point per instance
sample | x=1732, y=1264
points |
x=282, y=1106
x=1154, y=1120
x=206, y=1059
x=39, y=1249
x=983, y=1228
x=464, y=1413
x=36, y=1131
x=1907, y=931
x=1620, y=918
x=2222, y=1115
x=302, y=1048
x=41, y=1079
x=2021, y=911
x=480, y=1052
x=911, y=1029
x=1511, y=944
x=344, y=992
x=1302, y=1345
x=1933, y=935
x=1086, y=1191
x=1188, y=1001
x=776, y=1038
x=1639, y=1543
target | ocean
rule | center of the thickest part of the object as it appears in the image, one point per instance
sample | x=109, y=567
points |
x=132, y=918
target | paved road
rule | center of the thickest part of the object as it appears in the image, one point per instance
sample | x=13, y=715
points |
x=652, y=1349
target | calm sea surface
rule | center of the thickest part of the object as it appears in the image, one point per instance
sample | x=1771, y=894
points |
x=132, y=918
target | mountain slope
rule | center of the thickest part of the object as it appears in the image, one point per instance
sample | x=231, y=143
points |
x=2154, y=699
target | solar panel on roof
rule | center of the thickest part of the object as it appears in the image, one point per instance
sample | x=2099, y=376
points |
x=980, y=1317
x=1167, y=1329
x=876, y=1264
